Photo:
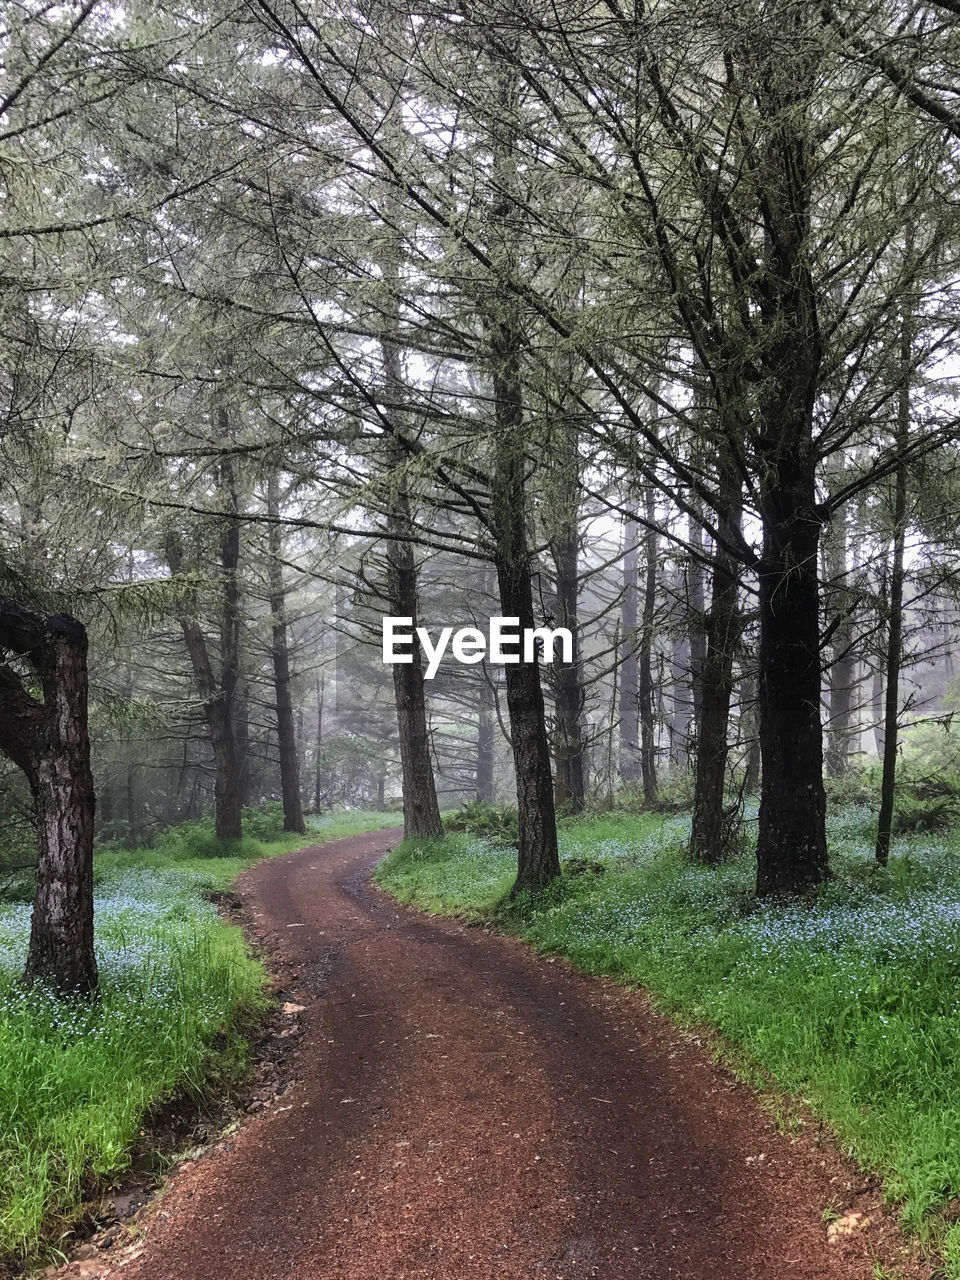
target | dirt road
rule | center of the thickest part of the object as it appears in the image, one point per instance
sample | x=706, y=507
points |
x=466, y=1110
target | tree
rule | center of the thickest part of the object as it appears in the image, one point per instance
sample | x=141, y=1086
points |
x=476, y=269
x=280, y=657
x=421, y=811
x=218, y=682
x=839, y=604
x=714, y=828
x=567, y=687
x=645, y=685
x=913, y=48
x=629, y=617
x=48, y=738
x=895, y=600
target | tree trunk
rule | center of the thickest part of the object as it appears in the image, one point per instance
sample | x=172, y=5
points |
x=338, y=699
x=563, y=490
x=317, y=764
x=134, y=831
x=421, y=811
x=748, y=726
x=629, y=679
x=538, y=860
x=645, y=687
x=791, y=840
x=680, y=705
x=241, y=719
x=61, y=930
x=714, y=831
x=227, y=788
x=843, y=669
x=891, y=708
x=891, y=711
x=217, y=695
x=876, y=711
x=231, y=755
x=791, y=844
x=696, y=618
x=50, y=742
x=286, y=730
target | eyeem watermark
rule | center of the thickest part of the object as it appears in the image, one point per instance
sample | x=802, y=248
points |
x=505, y=643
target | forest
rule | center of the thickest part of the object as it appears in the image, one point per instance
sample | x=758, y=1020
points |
x=638, y=320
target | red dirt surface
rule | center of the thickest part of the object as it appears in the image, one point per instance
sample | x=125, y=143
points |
x=463, y=1109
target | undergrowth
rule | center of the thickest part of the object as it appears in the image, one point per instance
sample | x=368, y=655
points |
x=850, y=1001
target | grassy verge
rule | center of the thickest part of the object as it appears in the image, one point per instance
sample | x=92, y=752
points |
x=851, y=1001
x=179, y=989
x=193, y=850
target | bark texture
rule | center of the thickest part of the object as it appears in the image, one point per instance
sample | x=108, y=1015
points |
x=791, y=839
x=791, y=846
x=421, y=810
x=629, y=621
x=49, y=741
x=696, y=617
x=891, y=702
x=714, y=827
x=538, y=860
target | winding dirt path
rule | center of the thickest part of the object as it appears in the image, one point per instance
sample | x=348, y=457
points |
x=466, y=1109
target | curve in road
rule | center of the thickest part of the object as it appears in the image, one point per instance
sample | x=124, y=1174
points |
x=464, y=1108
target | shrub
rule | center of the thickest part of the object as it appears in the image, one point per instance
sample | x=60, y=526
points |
x=193, y=840
x=929, y=786
x=857, y=787
x=674, y=795
x=265, y=822
x=500, y=823
x=675, y=792
x=582, y=867
x=198, y=839
x=934, y=814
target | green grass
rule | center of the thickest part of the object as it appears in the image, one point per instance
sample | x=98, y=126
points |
x=851, y=1002
x=179, y=990
x=193, y=848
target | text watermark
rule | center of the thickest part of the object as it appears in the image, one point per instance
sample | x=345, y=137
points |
x=503, y=643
